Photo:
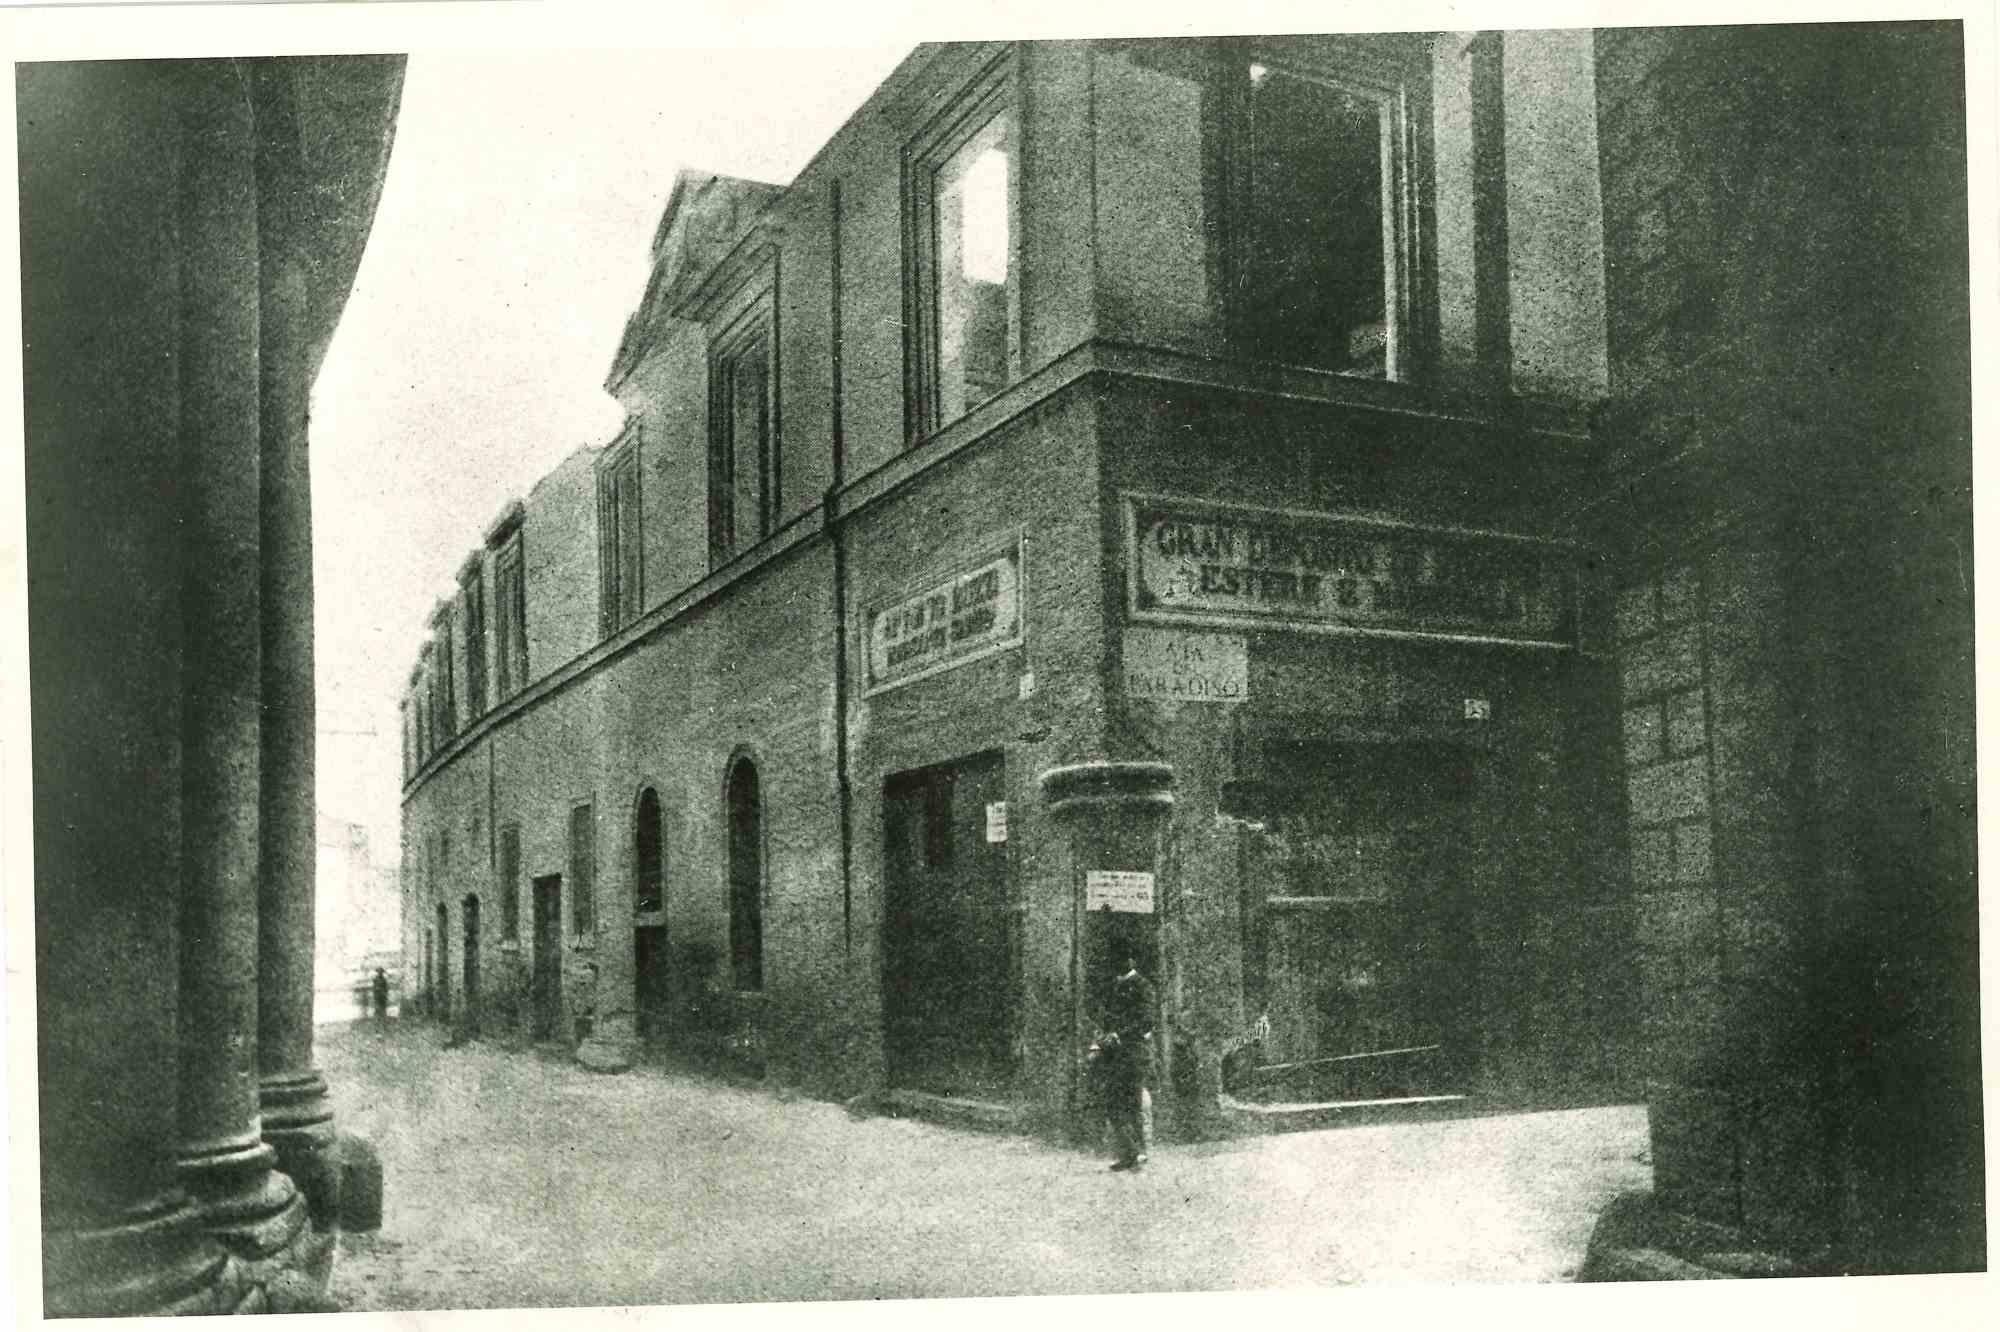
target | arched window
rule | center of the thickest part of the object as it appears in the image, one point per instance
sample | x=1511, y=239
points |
x=746, y=877
x=649, y=848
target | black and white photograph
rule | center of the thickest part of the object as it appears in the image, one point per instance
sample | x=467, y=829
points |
x=775, y=657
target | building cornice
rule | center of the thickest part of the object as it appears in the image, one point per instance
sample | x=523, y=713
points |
x=1089, y=362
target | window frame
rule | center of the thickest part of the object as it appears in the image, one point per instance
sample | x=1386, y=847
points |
x=1389, y=69
x=750, y=322
x=619, y=604
x=993, y=92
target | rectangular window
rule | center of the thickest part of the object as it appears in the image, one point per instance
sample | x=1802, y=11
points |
x=962, y=209
x=744, y=475
x=1318, y=255
x=511, y=595
x=620, y=549
x=583, y=869
x=473, y=585
x=510, y=883
x=447, y=705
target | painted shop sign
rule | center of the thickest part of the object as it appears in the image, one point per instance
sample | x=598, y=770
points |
x=955, y=619
x=1118, y=890
x=1179, y=666
x=1197, y=562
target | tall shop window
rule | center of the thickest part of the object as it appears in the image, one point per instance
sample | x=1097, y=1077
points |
x=583, y=870
x=963, y=204
x=746, y=877
x=649, y=854
x=510, y=883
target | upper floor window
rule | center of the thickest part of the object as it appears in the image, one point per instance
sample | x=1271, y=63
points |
x=962, y=207
x=444, y=706
x=511, y=608
x=621, y=557
x=472, y=585
x=1320, y=259
x=745, y=472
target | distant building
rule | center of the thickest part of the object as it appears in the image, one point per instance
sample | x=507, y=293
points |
x=358, y=918
x=1446, y=548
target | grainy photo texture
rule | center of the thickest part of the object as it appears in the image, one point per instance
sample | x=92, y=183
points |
x=1171, y=665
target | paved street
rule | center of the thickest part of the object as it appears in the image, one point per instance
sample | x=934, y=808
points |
x=517, y=1180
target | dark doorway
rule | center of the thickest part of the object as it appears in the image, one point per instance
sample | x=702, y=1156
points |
x=472, y=964
x=1356, y=943
x=547, y=976
x=746, y=877
x=948, y=979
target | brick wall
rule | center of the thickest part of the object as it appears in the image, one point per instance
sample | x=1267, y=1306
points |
x=1805, y=914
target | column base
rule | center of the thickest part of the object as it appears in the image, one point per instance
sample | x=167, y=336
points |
x=298, y=1126
x=154, y=1258
x=611, y=1046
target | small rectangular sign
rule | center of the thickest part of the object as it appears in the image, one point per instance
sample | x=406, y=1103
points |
x=996, y=821
x=1118, y=890
x=1185, y=666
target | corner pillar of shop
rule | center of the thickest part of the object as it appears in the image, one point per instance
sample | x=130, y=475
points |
x=1113, y=814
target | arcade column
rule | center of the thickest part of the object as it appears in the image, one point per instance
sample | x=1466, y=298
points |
x=1114, y=817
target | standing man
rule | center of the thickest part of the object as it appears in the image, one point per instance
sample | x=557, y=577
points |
x=380, y=986
x=1128, y=1065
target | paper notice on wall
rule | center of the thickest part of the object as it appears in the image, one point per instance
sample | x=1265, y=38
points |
x=996, y=821
x=1118, y=890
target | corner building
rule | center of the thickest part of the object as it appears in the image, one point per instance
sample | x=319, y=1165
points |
x=1154, y=499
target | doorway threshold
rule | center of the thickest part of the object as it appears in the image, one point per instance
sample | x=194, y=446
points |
x=1280, y=1116
x=953, y=1111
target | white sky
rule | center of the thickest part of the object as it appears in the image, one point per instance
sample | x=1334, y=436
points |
x=511, y=243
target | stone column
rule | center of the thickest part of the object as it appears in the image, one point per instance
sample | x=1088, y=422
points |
x=221, y=1151
x=1114, y=816
x=298, y=1122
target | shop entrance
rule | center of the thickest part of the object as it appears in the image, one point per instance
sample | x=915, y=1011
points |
x=547, y=975
x=948, y=973
x=1356, y=942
